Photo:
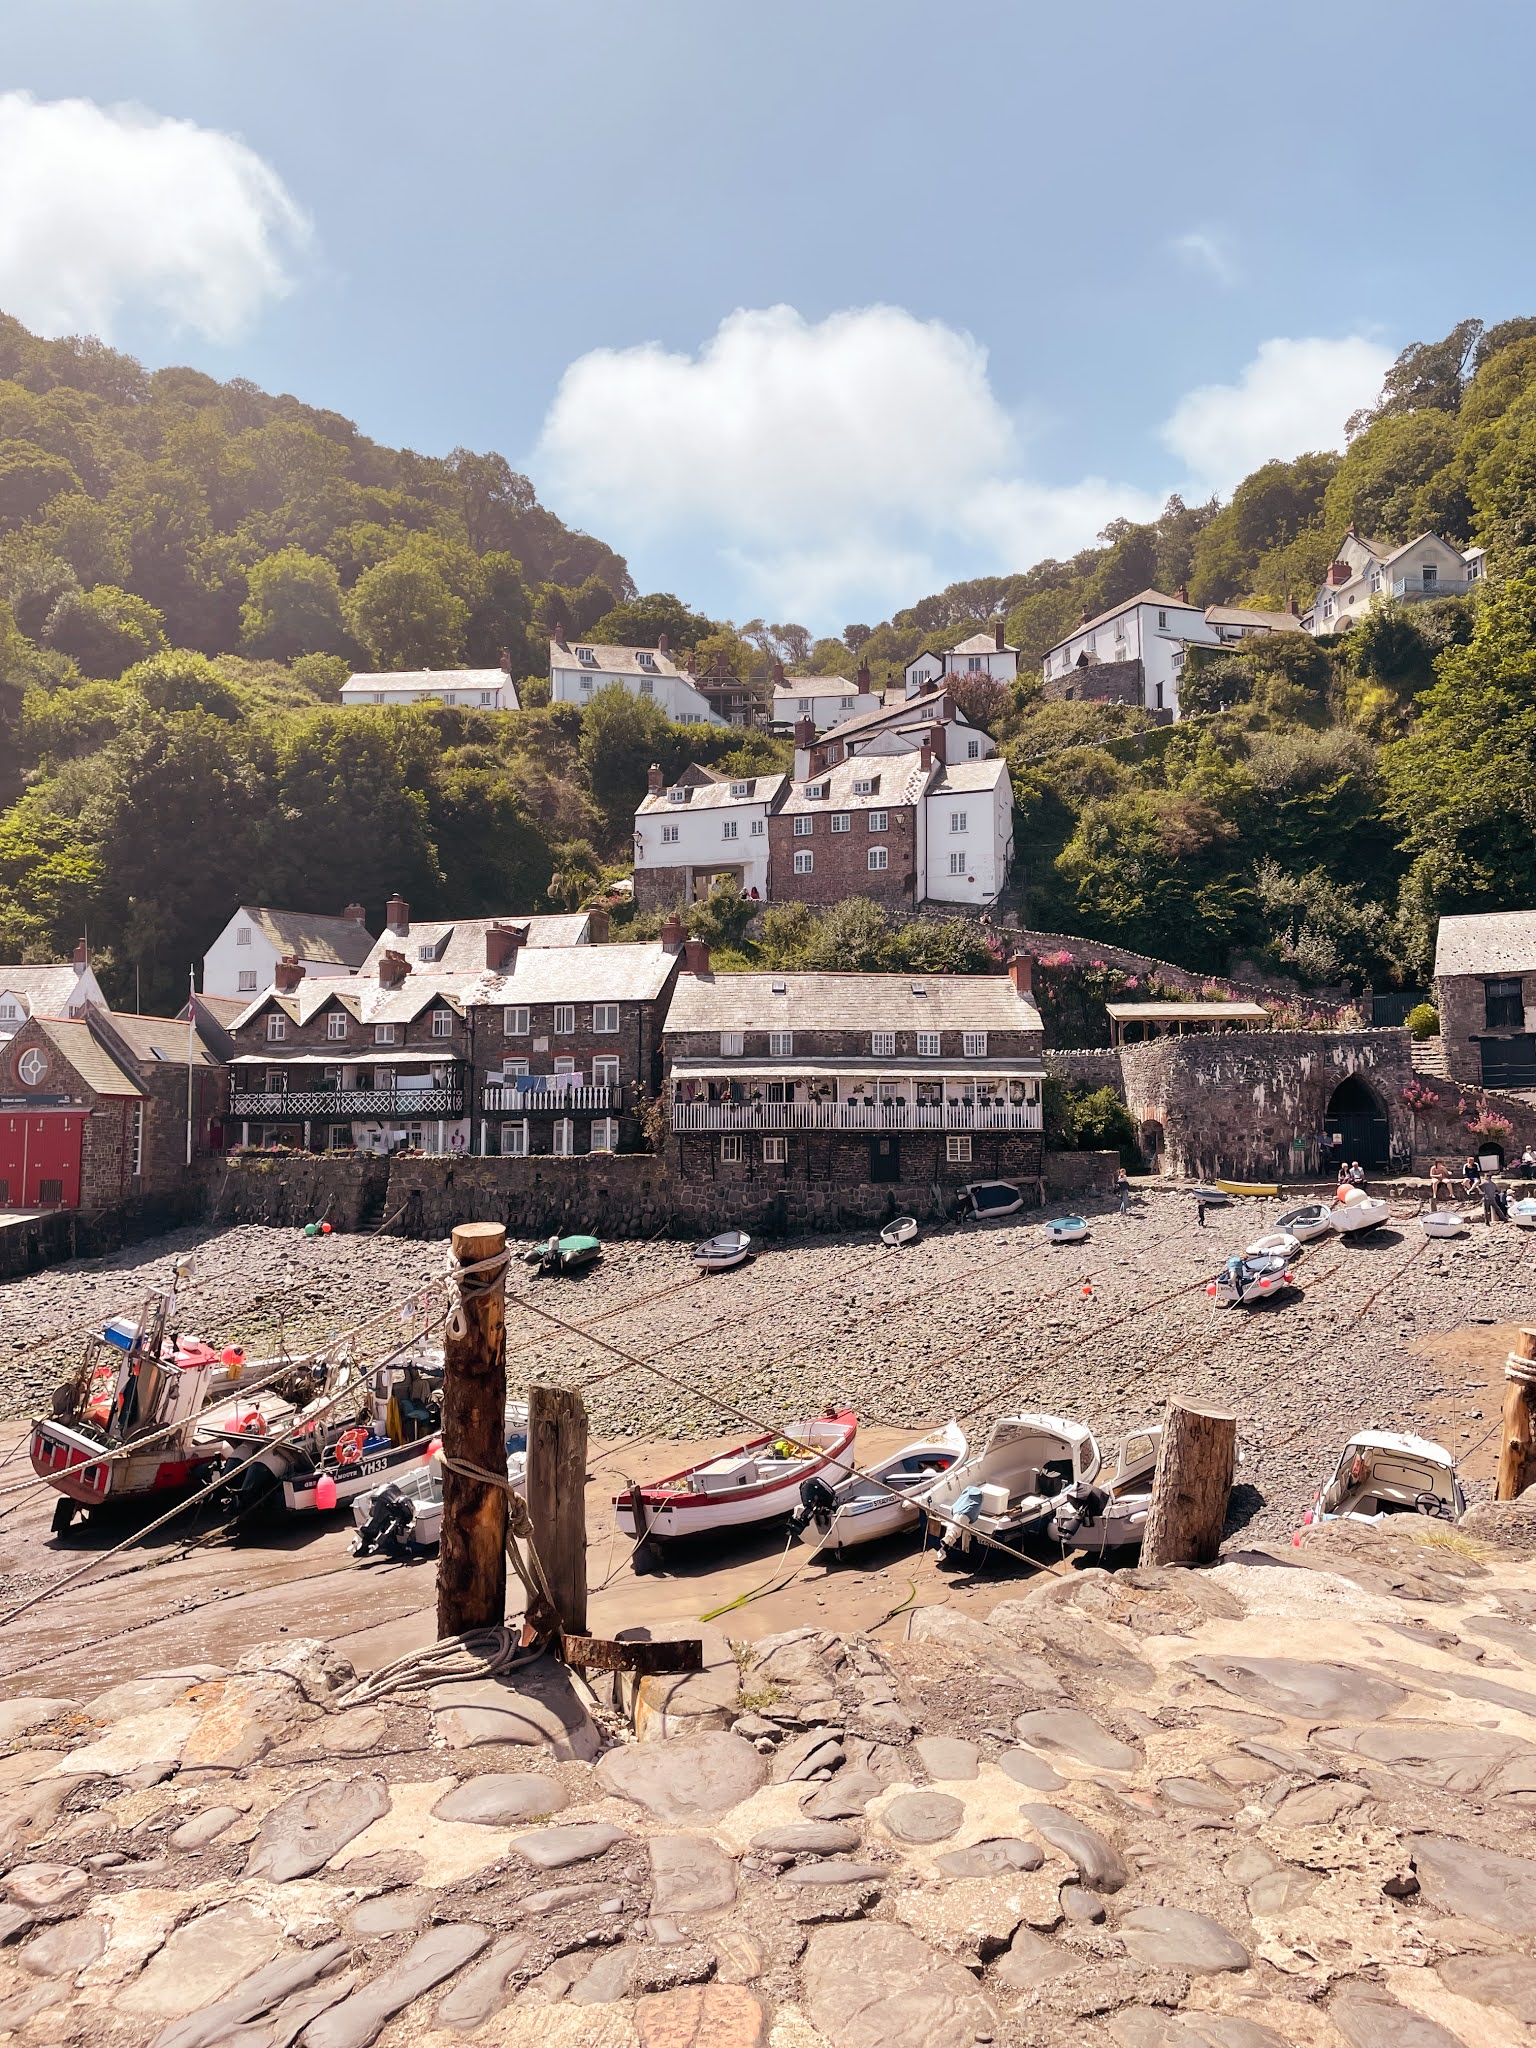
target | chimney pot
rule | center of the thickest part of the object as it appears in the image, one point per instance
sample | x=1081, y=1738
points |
x=287, y=974
x=1082, y=617
x=696, y=957
x=655, y=781
x=999, y=636
x=82, y=953
x=397, y=914
x=356, y=913
x=1021, y=972
x=672, y=934
x=925, y=756
x=1182, y=593
x=805, y=732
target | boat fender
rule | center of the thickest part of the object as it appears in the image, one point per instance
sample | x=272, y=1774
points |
x=252, y=1423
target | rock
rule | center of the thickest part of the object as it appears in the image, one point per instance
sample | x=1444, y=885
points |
x=1310, y=1692
x=1317, y=1806
x=1382, y=2023
x=876, y=1985
x=802, y=1757
x=1081, y=1905
x=672, y=1963
x=148, y=1695
x=1080, y=1736
x=990, y=1859
x=484, y=1989
x=1477, y=1884
x=559, y=1896
x=319, y=1672
x=690, y=1874
x=394, y=1913
x=702, y=2016
x=1196, y=1796
x=44, y=1887
x=1025, y=1768
x=980, y=1645
x=143, y=1741
x=807, y=1838
x=1030, y=1960
x=1455, y=1757
x=1280, y=1891
x=552, y=1983
x=554, y=1848
x=204, y=1828
x=605, y=1982
x=1099, y=1863
x=384, y=1870
x=357, y=2019
x=359, y=1731
x=203, y=1961
x=306, y=1831
x=1227, y=2030
x=1145, y=2026
x=18, y=1718
x=239, y=1719
x=695, y=1778
x=667, y=1706
x=918, y=1817
x=945, y=1756
x=14, y=1920
x=1069, y=1641
x=845, y=1798
x=1508, y=1982
x=1168, y=1938
x=836, y=1870
x=501, y=1799
x=537, y=1707
x=66, y=1947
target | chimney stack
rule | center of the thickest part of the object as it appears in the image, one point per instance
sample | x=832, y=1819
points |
x=393, y=968
x=597, y=925
x=655, y=781
x=695, y=957
x=672, y=934
x=501, y=944
x=862, y=679
x=778, y=675
x=1082, y=617
x=287, y=974
x=1021, y=972
x=82, y=953
x=805, y=732
x=356, y=912
x=506, y=661
x=1293, y=607
x=1182, y=593
x=397, y=914
x=661, y=643
x=560, y=640
x=999, y=637
x=925, y=756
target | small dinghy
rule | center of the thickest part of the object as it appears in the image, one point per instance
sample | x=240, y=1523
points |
x=1245, y=1281
x=1354, y=1210
x=1276, y=1244
x=1443, y=1223
x=1011, y=1486
x=565, y=1254
x=1213, y=1197
x=1380, y=1473
x=1311, y=1221
x=403, y=1518
x=1248, y=1187
x=1066, y=1229
x=756, y=1482
x=725, y=1249
x=1523, y=1212
x=899, y=1231
x=1101, y=1515
x=878, y=1502
x=993, y=1198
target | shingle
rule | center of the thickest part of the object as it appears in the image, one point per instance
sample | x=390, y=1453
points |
x=1495, y=942
x=88, y=1056
x=465, y=948
x=849, y=1002
x=332, y=941
x=45, y=989
x=716, y=796
x=613, y=661
x=158, y=1038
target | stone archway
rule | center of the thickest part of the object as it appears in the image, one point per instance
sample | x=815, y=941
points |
x=1152, y=1143
x=1356, y=1115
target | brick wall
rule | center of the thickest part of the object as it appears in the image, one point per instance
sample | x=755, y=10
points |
x=842, y=858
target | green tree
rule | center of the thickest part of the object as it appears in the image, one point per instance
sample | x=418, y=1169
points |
x=181, y=680
x=406, y=616
x=105, y=630
x=721, y=920
x=641, y=621
x=321, y=674
x=29, y=479
x=1147, y=871
x=292, y=607
x=620, y=737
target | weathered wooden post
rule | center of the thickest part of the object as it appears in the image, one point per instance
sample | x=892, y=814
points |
x=1517, y=1448
x=472, y=1560
x=557, y=1498
x=1193, y=1480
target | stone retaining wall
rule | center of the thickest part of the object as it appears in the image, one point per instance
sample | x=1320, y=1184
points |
x=296, y=1188
x=32, y=1242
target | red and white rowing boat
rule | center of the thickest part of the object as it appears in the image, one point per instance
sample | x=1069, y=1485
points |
x=753, y=1483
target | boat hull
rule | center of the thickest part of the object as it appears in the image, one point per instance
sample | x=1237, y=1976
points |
x=1350, y=1218
x=1260, y=1188
x=90, y=1473
x=670, y=1513
x=872, y=1517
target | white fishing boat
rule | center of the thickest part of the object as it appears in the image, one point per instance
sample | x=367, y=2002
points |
x=1523, y=1212
x=1308, y=1223
x=1100, y=1515
x=1212, y=1196
x=1443, y=1223
x=1066, y=1229
x=1011, y=1486
x=1380, y=1473
x=993, y=1198
x=1246, y=1280
x=879, y=1502
x=756, y=1482
x=899, y=1231
x=725, y=1249
x=1276, y=1244
x=1353, y=1211
x=403, y=1518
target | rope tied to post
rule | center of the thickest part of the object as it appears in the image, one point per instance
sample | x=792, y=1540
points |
x=540, y=1611
x=469, y=1282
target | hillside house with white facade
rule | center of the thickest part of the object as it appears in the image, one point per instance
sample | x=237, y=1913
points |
x=579, y=669
x=47, y=989
x=967, y=832
x=825, y=700
x=1364, y=570
x=1130, y=654
x=983, y=654
x=479, y=689
x=242, y=961
x=703, y=828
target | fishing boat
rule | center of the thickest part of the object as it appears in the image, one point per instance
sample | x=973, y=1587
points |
x=403, y=1518
x=756, y=1482
x=1101, y=1515
x=1246, y=1280
x=1066, y=1229
x=1380, y=1473
x=1443, y=1223
x=725, y=1249
x=564, y=1254
x=1283, y=1244
x=1213, y=1196
x=899, y=1231
x=993, y=1198
x=1010, y=1488
x=1354, y=1210
x=1311, y=1221
x=1249, y=1187
x=1523, y=1212
x=869, y=1505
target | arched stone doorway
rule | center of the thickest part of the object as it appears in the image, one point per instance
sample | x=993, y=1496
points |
x=1152, y=1145
x=1355, y=1115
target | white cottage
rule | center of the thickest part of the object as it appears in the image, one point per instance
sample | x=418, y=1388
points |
x=579, y=669
x=242, y=961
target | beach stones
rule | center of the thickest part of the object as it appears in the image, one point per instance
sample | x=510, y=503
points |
x=65, y=1947
x=484, y=1989
x=690, y=1874
x=945, y=1756
x=355, y=2021
x=1478, y=1884
x=1293, y=1687
x=1099, y=1863
x=501, y=1799
x=700, y=2015
x=1507, y=1982
x=554, y=1848
x=807, y=1838
x=203, y=1828
x=1080, y=1736
x=696, y=1778
x=44, y=1887
x=991, y=1859
x=306, y=1831
x=1455, y=1758
x=1031, y=1960
x=1193, y=1795
x=918, y=1817
x=203, y=1961
x=845, y=1798
x=872, y=1984
x=1168, y=1938
x=836, y=1870
x=1031, y=1771
x=1382, y=2023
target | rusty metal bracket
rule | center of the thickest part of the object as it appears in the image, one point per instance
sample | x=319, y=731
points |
x=601, y=1653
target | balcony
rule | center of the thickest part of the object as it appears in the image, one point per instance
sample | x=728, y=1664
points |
x=1411, y=587
x=855, y=1116
x=500, y=1100
x=337, y=1105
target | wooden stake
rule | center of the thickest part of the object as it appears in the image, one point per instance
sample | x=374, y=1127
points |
x=1190, y=1488
x=472, y=1562
x=557, y=1497
x=1517, y=1449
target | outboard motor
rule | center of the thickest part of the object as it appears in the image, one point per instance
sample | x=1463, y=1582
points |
x=388, y=1526
x=818, y=1503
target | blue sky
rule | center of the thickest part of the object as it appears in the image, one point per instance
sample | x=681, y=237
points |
x=807, y=310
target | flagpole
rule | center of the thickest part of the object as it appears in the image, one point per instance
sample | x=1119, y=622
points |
x=191, y=1048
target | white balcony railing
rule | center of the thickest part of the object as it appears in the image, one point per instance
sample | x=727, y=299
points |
x=855, y=1116
x=499, y=1098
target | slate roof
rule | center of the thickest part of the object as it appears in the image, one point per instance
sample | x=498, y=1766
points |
x=983, y=643
x=329, y=941
x=893, y=716
x=716, y=796
x=1157, y=597
x=158, y=1038
x=1172, y=1013
x=898, y=779
x=1492, y=942
x=90, y=1059
x=396, y=679
x=1242, y=615
x=961, y=778
x=614, y=661
x=849, y=1002
x=459, y=942
x=45, y=989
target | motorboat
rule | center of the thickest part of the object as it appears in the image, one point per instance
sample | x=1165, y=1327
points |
x=1267, y=1189
x=899, y=1231
x=756, y=1482
x=1443, y=1223
x=1380, y=1473
x=1011, y=1486
x=1276, y=1244
x=993, y=1198
x=725, y=1249
x=1308, y=1223
x=1214, y=1197
x=1066, y=1229
x=1353, y=1210
x=403, y=1518
x=877, y=1502
x=1523, y=1212
x=565, y=1254
x=1111, y=1514
x=1246, y=1280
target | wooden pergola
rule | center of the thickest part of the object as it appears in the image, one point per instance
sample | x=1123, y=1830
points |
x=1131, y=1022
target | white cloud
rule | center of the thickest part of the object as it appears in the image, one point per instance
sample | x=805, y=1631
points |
x=1293, y=397
x=107, y=207
x=831, y=463
x=1202, y=250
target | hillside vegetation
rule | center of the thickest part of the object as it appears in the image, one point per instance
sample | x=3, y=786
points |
x=188, y=570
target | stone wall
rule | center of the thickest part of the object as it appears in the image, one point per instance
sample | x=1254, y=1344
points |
x=618, y=1194
x=1462, y=1000
x=1090, y=1067
x=1100, y=682
x=1081, y=1173
x=31, y=1243
x=298, y=1188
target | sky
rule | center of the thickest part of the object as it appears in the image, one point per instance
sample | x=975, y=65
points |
x=807, y=310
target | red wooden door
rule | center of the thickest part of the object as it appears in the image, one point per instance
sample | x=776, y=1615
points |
x=40, y=1159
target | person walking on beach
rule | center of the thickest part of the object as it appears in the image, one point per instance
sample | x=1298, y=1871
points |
x=1493, y=1198
x=1123, y=1190
x=1200, y=1210
x=1439, y=1184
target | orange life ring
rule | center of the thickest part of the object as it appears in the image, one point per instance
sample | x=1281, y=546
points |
x=349, y=1447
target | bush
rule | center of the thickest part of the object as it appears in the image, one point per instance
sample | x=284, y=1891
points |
x=1423, y=1021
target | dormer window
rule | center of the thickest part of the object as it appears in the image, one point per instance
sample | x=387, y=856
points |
x=646, y=660
x=816, y=790
x=741, y=789
x=866, y=785
x=677, y=796
x=587, y=656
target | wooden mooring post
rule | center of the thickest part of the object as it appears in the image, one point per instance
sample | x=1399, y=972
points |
x=1517, y=1447
x=1190, y=1489
x=557, y=1498
x=472, y=1559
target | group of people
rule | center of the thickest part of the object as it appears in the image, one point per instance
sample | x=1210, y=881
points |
x=1478, y=1183
x=1351, y=1176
